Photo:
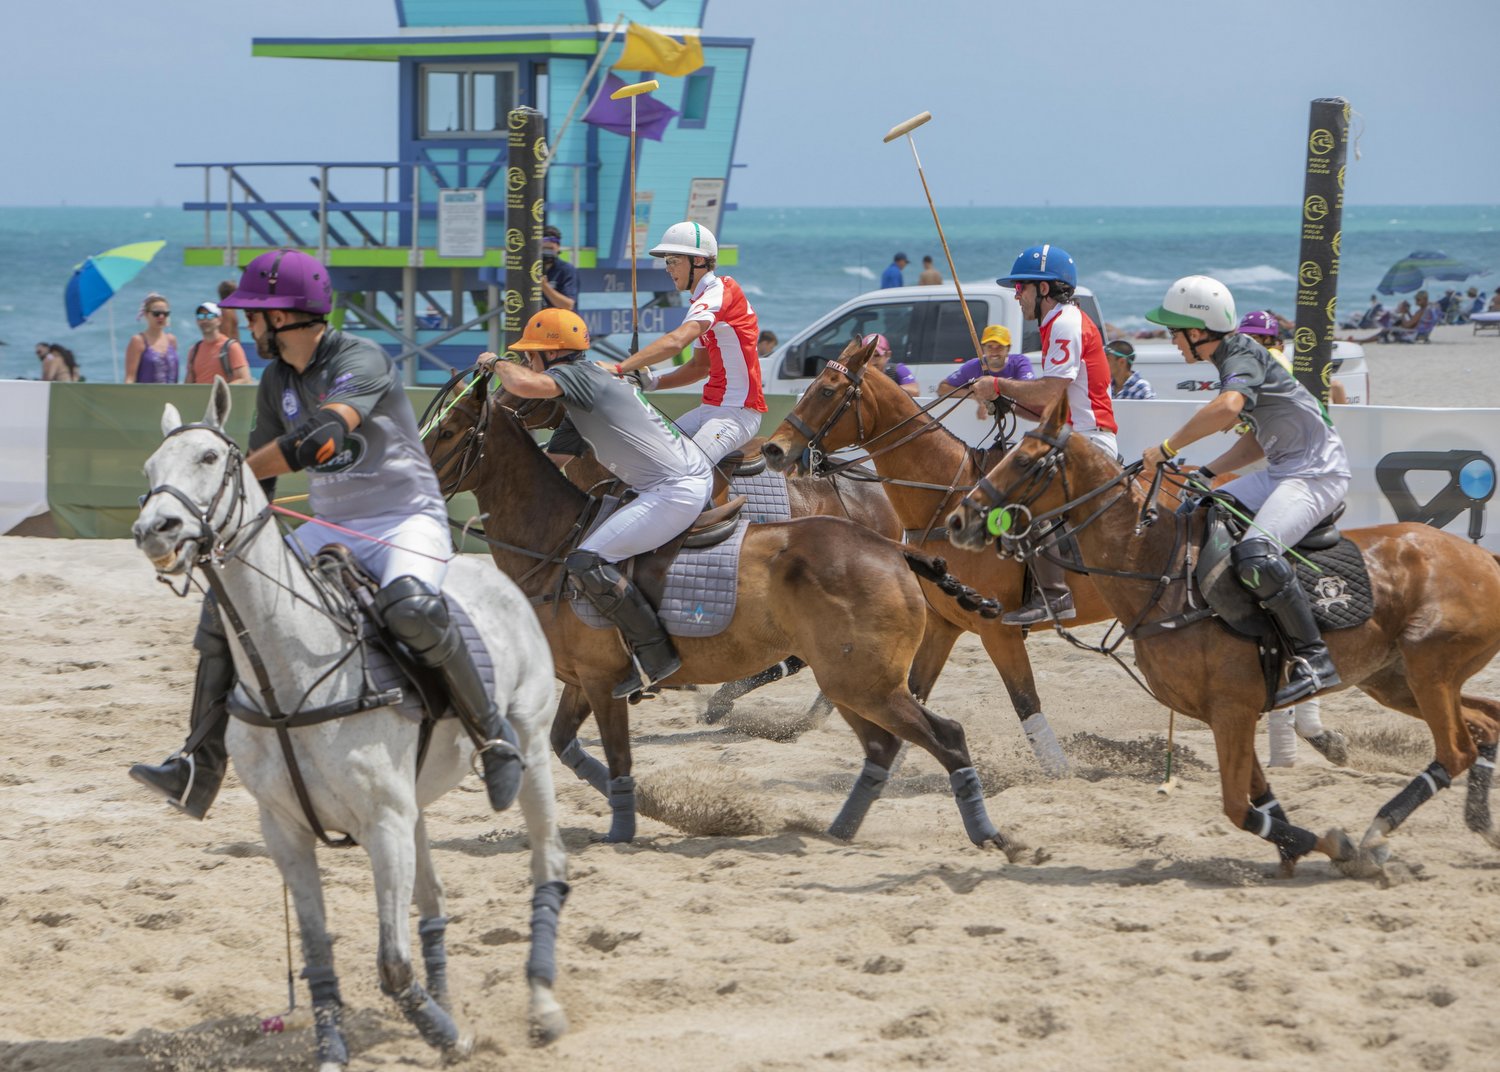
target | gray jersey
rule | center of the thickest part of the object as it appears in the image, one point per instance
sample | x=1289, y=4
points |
x=629, y=438
x=1288, y=422
x=382, y=471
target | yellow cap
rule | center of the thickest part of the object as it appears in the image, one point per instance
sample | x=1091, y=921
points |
x=996, y=333
x=554, y=329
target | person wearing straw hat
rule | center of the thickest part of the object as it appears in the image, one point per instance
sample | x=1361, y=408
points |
x=331, y=404
x=672, y=480
x=723, y=330
x=1306, y=474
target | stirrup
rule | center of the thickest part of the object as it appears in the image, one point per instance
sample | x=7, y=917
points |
x=496, y=744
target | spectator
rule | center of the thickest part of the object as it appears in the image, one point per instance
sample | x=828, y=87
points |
x=892, y=277
x=766, y=343
x=995, y=360
x=216, y=354
x=1494, y=306
x=1474, y=303
x=1369, y=317
x=151, y=355
x=58, y=363
x=559, y=279
x=881, y=360
x=1124, y=380
x=930, y=276
x=229, y=319
x=1414, y=316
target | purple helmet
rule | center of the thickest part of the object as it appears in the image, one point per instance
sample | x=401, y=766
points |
x=882, y=344
x=283, y=279
x=1260, y=323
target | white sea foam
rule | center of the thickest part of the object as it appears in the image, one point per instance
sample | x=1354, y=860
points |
x=1259, y=277
x=858, y=270
x=1131, y=280
x=751, y=288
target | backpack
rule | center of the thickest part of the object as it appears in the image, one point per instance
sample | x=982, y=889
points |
x=223, y=356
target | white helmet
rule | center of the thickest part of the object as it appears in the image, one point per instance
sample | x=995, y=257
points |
x=692, y=239
x=1196, y=301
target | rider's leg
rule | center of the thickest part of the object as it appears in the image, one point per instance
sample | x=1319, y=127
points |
x=1051, y=590
x=720, y=430
x=652, y=519
x=191, y=777
x=1270, y=579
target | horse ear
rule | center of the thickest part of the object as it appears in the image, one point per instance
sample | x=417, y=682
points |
x=171, y=420
x=217, y=413
x=482, y=387
x=861, y=355
x=1057, y=415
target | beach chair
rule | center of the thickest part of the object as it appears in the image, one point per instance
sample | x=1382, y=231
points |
x=1485, y=322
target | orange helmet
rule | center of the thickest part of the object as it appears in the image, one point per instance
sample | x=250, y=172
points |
x=554, y=329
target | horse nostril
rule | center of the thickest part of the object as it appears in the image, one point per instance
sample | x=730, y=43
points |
x=167, y=524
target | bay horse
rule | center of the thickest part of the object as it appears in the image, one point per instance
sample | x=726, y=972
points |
x=1436, y=623
x=926, y=470
x=841, y=597
x=862, y=501
x=292, y=638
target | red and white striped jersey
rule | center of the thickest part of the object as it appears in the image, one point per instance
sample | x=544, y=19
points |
x=1073, y=350
x=729, y=336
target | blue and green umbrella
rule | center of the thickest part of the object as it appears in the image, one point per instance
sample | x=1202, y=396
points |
x=1410, y=272
x=101, y=277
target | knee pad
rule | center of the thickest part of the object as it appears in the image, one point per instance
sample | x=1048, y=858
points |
x=602, y=583
x=418, y=616
x=1259, y=566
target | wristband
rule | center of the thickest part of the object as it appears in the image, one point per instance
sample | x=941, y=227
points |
x=1205, y=473
x=1166, y=449
x=620, y=369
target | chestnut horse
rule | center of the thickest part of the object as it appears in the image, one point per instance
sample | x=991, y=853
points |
x=862, y=501
x=926, y=470
x=840, y=596
x=1436, y=623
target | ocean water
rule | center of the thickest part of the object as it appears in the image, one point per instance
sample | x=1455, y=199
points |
x=796, y=263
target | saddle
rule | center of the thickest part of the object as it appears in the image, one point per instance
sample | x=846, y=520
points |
x=1337, y=583
x=747, y=461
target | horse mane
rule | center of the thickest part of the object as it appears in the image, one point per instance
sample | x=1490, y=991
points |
x=506, y=419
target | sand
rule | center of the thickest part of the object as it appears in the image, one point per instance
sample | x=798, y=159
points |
x=1144, y=932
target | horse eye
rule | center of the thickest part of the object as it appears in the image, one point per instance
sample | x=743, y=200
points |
x=826, y=392
x=1025, y=461
x=209, y=457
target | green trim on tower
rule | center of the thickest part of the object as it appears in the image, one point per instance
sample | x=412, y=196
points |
x=398, y=49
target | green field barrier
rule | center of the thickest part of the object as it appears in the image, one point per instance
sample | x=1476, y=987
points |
x=100, y=435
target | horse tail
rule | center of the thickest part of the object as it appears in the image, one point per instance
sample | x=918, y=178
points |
x=935, y=569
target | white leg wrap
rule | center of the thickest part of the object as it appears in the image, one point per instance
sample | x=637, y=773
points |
x=1283, y=737
x=1044, y=743
x=1309, y=717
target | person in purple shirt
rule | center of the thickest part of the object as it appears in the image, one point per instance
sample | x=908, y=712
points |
x=881, y=359
x=997, y=361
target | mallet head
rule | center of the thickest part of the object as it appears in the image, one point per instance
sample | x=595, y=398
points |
x=901, y=128
x=635, y=89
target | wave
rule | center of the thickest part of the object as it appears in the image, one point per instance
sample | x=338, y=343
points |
x=751, y=288
x=1131, y=323
x=1131, y=280
x=1259, y=277
x=858, y=270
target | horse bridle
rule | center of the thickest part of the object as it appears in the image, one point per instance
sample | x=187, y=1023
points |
x=209, y=538
x=852, y=394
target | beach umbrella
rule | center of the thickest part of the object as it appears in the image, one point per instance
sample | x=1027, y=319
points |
x=100, y=278
x=1411, y=271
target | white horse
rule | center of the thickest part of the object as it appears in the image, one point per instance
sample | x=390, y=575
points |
x=205, y=510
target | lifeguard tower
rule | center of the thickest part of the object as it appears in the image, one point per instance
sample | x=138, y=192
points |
x=463, y=66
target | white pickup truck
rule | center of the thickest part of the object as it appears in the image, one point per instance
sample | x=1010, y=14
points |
x=926, y=328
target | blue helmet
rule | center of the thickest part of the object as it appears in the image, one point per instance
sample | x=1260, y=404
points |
x=1039, y=263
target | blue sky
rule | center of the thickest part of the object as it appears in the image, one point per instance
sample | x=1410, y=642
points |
x=1080, y=103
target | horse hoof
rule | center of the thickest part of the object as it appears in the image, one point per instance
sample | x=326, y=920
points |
x=713, y=714
x=460, y=1050
x=548, y=1028
x=1014, y=850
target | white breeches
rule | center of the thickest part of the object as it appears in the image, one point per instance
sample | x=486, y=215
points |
x=719, y=429
x=421, y=546
x=1288, y=508
x=655, y=517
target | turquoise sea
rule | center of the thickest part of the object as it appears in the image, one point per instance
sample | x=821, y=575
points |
x=796, y=263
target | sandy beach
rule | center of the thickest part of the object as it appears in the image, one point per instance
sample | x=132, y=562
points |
x=1143, y=932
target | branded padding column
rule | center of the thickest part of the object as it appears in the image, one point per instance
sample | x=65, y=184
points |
x=525, y=212
x=1322, y=234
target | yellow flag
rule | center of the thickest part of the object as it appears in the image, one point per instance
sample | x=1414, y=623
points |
x=647, y=50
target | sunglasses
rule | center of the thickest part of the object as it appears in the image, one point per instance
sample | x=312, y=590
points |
x=208, y=316
x=164, y=313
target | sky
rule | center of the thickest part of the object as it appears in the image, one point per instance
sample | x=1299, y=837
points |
x=1080, y=103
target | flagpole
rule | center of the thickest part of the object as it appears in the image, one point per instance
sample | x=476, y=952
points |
x=582, y=89
x=633, y=91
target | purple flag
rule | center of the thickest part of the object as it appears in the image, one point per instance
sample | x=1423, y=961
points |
x=651, y=115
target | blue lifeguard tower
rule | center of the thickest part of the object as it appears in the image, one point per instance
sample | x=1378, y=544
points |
x=463, y=66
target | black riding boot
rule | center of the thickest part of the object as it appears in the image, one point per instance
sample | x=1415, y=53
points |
x=1271, y=579
x=1050, y=588
x=622, y=603
x=418, y=616
x=190, y=778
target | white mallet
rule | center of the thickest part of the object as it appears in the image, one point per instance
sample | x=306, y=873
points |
x=634, y=90
x=905, y=129
x=1169, y=783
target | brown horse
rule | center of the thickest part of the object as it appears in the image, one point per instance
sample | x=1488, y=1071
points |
x=1436, y=623
x=927, y=470
x=839, y=595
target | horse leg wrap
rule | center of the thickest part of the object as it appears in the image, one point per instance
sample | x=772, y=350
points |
x=435, y=957
x=430, y=1019
x=1281, y=730
x=1418, y=791
x=1292, y=842
x=1044, y=744
x=1477, y=803
x=622, y=809
x=585, y=766
x=969, y=795
x=867, y=789
x=1268, y=803
x=328, y=1008
x=546, y=904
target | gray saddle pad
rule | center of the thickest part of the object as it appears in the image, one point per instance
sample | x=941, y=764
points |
x=385, y=673
x=701, y=590
x=767, y=495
